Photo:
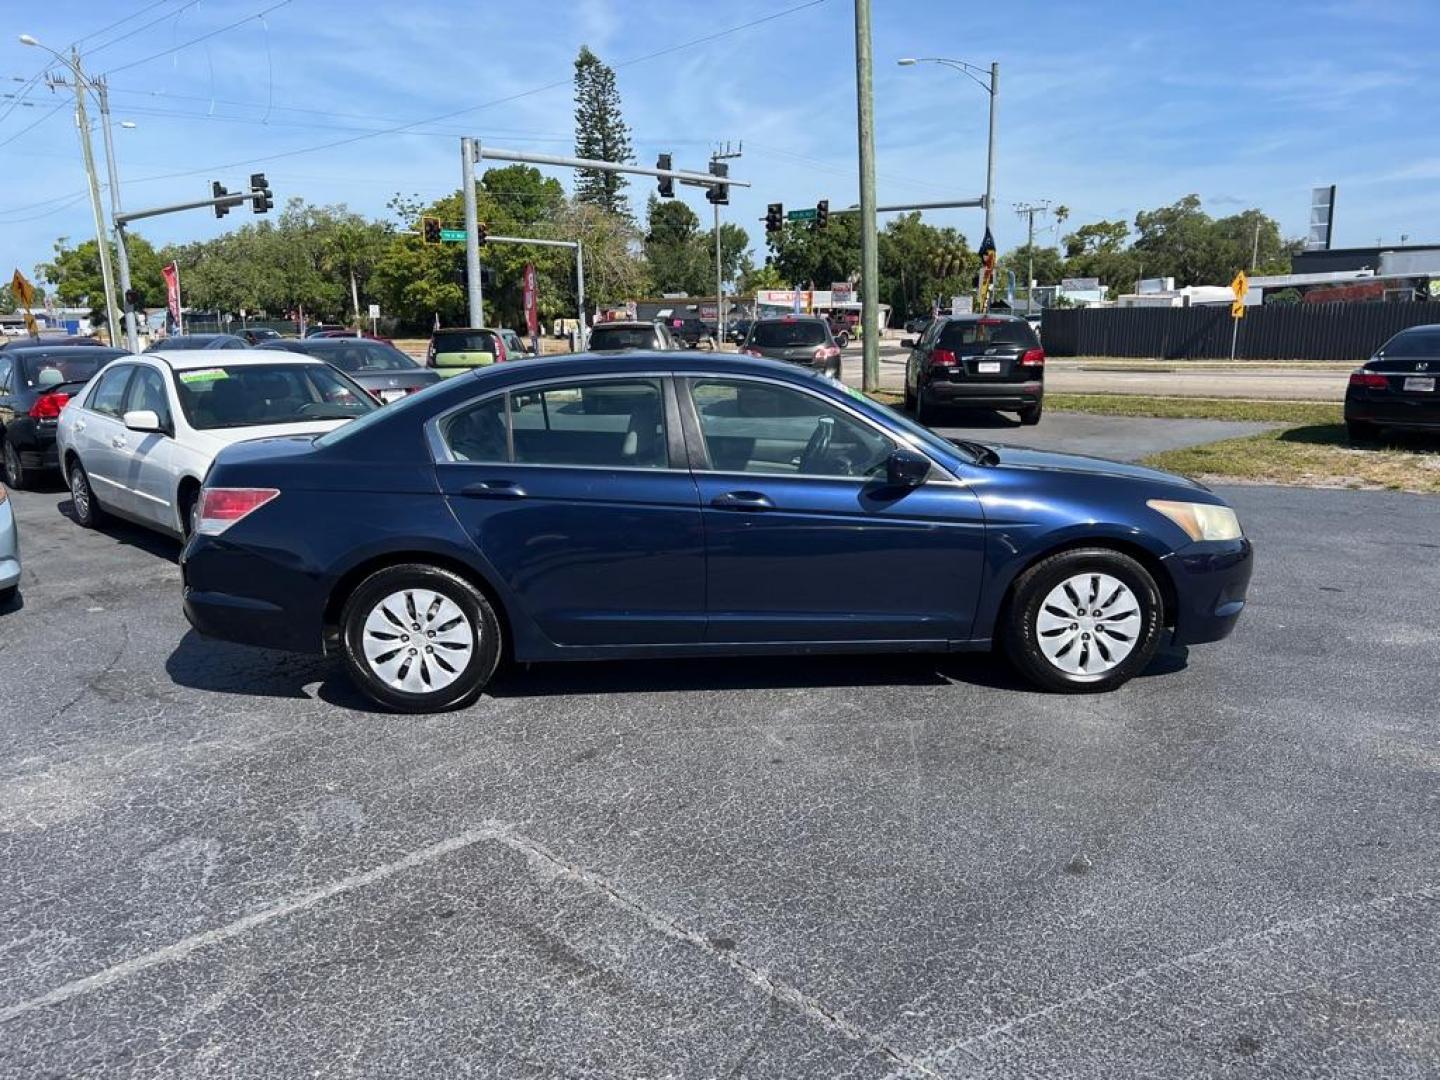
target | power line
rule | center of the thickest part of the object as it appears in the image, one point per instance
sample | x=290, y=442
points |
x=127, y=18
x=38, y=121
x=197, y=40
x=141, y=29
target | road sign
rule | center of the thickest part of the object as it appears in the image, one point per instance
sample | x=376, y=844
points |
x=374, y=311
x=452, y=236
x=808, y=214
x=1241, y=285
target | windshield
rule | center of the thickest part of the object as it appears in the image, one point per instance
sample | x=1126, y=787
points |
x=251, y=395
x=785, y=334
x=479, y=341
x=360, y=356
x=622, y=337
x=955, y=335
x=1413, y=343
x=52, y=369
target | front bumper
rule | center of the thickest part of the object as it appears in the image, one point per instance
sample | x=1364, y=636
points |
x=1211, y=579
x=983, y=395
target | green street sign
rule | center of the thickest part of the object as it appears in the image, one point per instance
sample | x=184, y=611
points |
x=808, y=214
x=457, y=236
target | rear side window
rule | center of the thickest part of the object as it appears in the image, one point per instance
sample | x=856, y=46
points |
x=109, y=392
x=786, y=334
x=606, y=424
x=956, y=335
x=1413, y=343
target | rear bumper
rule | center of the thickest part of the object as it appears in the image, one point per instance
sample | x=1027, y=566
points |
x=1395, y=412
x=286, y=614
x=994, y=395
x=1211, y=580
x=34, y=443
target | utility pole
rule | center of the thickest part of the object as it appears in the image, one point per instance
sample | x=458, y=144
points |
x=122, y=257
x=990, y=155
x=1255, y=248
x=1029, y=210
x=869, y=258
x=476, y=295
x=721, y=155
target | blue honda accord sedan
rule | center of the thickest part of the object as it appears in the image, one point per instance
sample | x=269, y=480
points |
x=673, y=505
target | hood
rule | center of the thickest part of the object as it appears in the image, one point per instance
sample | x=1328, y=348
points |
x=216, y=439
x=1018, y=457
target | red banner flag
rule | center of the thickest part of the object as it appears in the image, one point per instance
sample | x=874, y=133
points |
x=171, y=273
x=532, y=301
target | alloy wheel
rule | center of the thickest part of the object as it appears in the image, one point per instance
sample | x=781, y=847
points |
x=1088, y=624
x=80, y=494
x=418, y=641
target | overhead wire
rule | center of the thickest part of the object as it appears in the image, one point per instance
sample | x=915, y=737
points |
x=203, y=37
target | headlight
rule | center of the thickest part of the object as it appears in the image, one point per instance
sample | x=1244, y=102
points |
x=1201, y=521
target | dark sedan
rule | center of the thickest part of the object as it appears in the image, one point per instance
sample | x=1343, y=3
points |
x=176, y=342
x=796, y=339
x=1396, y=388
x=35, y=384
x=976, y=361
x=655, y=505
x=382, y=369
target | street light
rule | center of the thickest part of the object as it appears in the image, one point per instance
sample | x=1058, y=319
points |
x=87, y=152
x=989, y=81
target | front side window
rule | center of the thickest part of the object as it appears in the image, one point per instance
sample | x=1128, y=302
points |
x=602, y=424
x=109, y=392
x=252, y=395
x=147, y=393
x=755, y=427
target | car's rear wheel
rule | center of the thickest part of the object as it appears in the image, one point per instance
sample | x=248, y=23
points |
x=419, y=639
x=1361, y=431
x=909, y=399
x=1030, y=416
x=1083, y=621
x=83, y=503
x=924, y=410
x=15, y=474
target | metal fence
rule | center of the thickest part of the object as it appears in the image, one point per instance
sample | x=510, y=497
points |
x=1268, y=332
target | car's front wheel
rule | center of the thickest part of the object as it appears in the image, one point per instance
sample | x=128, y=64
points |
x=419, y=639
x=1083, y=621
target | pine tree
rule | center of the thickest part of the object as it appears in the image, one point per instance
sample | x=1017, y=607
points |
x=600, y=133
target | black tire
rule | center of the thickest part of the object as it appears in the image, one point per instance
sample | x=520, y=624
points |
x=7, y=595
x=86, y=508
x=837, y=371
x=1361, y=431
x=1019, y=632
x=1031, y=416
x=925, y=412
x=484, y=638
x=15, y=474
x=842, y=339
x=909, y=399
x=188, y=502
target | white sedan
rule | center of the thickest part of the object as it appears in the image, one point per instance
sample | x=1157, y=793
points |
x=138, y=440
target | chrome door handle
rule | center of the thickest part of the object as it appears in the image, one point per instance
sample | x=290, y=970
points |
x=742, y=500
x=118, y=442
x=79, y=426
x=493, y=489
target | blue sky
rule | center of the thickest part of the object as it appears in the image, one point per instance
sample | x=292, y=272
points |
x=1108, y=108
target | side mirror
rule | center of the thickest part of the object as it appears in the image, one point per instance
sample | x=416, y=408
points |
x=906, y=469
x=143, y=420
x=907, y=343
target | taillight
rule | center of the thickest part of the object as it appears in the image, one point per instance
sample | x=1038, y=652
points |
x=943, y=358
x=826, y=352
x=222, y=507
x=500, y=356
x=1033, y=358
x=48, y=406
x=1369, y=380
x=755, y=353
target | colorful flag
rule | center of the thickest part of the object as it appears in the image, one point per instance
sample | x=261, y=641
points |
x=987, y=272
x=532, y=301
x=171, y=274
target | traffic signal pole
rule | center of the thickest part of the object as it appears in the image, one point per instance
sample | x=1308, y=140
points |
x=869, y=257
x=472, y=234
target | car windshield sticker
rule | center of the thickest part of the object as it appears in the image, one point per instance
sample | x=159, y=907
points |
x=203, y=375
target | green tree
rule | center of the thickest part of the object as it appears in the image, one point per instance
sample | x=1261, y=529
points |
x=803, y=253
x=920, y=264
x=352, y=248
x=600, y=133
x=1179, y=241
x=755, y=278
x=75, y=274
x=675, y=249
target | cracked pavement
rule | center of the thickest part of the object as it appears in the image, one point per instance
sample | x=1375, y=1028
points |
x=218, y=861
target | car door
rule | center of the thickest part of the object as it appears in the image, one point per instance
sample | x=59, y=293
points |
x=9, y=404
x=148, y=458
x=100, y=438
x=918, y=355
x=577, y=492
x=805, y=540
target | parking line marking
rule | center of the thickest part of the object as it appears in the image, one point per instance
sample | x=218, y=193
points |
x=301, y=901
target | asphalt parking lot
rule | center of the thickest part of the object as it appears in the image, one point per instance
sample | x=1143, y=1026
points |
x=217, y=861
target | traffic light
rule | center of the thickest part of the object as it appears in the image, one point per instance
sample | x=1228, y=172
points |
x=822, y=213
x=667, y=183
x=430, y=230
x=134, y=299
x=482, y=233
x=263, y=198
x=720, y=193
x=774, y=217
x=217, y=191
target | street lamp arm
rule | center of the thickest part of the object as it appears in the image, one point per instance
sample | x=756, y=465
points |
x=972, y=71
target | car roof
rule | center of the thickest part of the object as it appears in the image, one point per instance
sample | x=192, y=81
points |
x=65, y=350
x=976, y=316
x=626, y=362
x=463, y=330
x=318, y=342
x=640, y=324
x=185, y=359
x=791, y=318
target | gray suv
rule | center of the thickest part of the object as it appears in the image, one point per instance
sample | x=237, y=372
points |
x=796, y=339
